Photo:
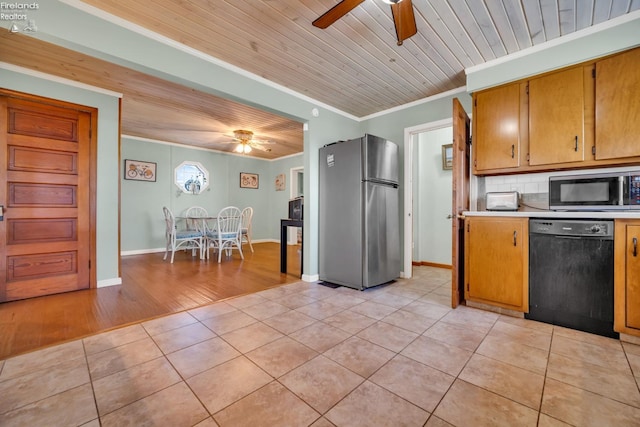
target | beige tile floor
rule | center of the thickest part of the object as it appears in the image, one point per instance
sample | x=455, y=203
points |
x=308, y=355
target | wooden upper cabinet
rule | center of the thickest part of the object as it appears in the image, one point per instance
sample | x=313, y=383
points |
x=556, y=118
x=583, y=116
x=617, y=106
x=496, y=128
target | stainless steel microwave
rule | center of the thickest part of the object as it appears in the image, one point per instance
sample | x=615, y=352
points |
x=600, y=192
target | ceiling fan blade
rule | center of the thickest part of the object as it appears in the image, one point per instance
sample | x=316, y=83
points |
x=336, y=12
x=259, y=147
x=404, y=20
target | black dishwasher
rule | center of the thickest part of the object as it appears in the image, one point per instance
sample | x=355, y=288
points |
x=571, y=274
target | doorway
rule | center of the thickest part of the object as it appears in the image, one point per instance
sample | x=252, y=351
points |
x=427, y=196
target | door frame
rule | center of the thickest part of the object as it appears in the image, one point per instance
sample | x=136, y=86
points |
x=93, y=166
x=409, y=134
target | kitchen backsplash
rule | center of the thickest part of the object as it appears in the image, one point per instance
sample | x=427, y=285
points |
x=533, y=187
x=523, y=184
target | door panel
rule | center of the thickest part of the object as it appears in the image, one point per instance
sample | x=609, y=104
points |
x=23, y=194
x=45, y=237
x=39, y=160
x=381, y=240
x=20, y=231
x=461, y=176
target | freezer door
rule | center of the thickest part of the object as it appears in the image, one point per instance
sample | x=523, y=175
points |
x=380, y=159
x=381, y=234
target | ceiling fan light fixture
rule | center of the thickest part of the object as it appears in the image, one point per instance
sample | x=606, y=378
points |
x=391, y=1
x=243, y=148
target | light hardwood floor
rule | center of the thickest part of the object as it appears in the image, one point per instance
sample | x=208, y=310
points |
x=151, y=287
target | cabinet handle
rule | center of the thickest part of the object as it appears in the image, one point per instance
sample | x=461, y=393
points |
x=513, y=151
x=635, y=246
x=576, y=147
x=515, y=238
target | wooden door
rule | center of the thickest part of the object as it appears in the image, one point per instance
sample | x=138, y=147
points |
x=496, y=128
x=461, y=173
x=556, y=117
x=45, y=166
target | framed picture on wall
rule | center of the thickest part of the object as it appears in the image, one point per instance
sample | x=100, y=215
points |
x=248, y=180
x=139, y=171
x=447, y=157
x=280, y=182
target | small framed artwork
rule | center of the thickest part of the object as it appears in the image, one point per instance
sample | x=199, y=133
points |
x=447, y=157
x=280, y=182
x=139, y=171
x=248, y=180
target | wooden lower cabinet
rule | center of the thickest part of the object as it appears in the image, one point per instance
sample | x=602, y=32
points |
x=497, y=261
x=627, y=277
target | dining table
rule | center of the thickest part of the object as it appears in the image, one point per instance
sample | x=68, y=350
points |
x=200, y=223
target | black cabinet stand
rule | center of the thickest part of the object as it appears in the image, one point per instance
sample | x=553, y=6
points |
x=284, y=224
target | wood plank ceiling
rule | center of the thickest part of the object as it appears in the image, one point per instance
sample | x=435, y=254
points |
x=354, y=65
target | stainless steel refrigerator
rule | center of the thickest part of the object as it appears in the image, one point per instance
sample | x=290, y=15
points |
x=359, y=208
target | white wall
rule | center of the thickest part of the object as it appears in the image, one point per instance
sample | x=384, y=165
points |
x=432, y=198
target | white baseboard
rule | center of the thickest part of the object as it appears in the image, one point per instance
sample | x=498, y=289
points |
x=156, y=250
x=310, y=278
x=141, y=251
x=109, y=282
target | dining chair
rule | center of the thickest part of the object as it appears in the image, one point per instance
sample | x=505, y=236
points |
x=194, y=217
x=180, y=239
x=227, y=235
x=245, y=230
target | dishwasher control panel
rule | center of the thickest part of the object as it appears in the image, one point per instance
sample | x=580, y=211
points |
x=569, y=227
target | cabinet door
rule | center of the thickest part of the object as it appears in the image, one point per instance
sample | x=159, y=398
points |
x=496, y=261
x=496, y=137
x=618, y=106
x=556, y=117
x=632, y=306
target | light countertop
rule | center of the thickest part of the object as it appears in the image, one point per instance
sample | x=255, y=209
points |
x=558, y=214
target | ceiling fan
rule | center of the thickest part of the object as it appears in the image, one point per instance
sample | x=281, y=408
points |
x=246, y=143
x=402, y=11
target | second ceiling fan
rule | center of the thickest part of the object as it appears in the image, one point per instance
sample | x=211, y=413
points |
x=402, y=11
